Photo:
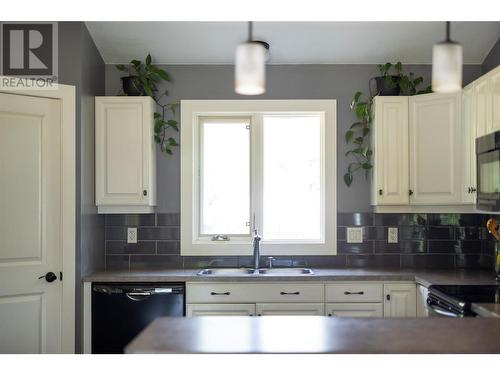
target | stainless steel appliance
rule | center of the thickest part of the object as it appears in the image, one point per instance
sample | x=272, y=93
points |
x=120, y=311
x=455, y=301
x=488, y=172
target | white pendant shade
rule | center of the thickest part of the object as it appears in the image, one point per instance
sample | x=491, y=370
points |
x=250, y=69
x=447, y=67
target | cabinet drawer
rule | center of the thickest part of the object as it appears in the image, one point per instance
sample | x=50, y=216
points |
x=241, y=293
x=355, y=310
x=298, y=309
x=221, y=309
x=355, y=292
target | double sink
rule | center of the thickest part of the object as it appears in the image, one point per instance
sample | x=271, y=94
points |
x=251, y=271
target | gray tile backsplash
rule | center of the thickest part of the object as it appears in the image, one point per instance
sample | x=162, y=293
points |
x=425, y=241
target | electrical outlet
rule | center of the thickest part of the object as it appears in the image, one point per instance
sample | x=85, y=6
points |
x=131, y=235
x=392, y=235
x=355, y=235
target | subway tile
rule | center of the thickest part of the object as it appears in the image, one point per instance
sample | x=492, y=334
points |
x=355, y=219
x=441, y=233
x=319, y=261
x=115, y=233
x=130, y=220
x=117, y=262
x=375, y=233
x=207, y=261
x=487, y=261
x=341, y=233
x=168, y=247
x=383, y=247
x=399, y=219
x=428, y=261
x=168, y=219
x=468, y=261
x=469, y=247
x=378, y=260
x=138, y=262
x=122, y=247
x=440, y=247
x=412, y=232
x=158, y=233
x=468, y=233
x=453, y=219
x=366, y=247
x=488, y=247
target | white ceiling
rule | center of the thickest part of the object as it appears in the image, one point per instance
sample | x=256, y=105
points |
x=291, y=42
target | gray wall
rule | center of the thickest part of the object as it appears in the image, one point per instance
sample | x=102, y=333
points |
x=283, y=82
x=492, y=60
x=81, y=65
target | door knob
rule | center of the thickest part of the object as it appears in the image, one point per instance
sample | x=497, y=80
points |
x=49, y=277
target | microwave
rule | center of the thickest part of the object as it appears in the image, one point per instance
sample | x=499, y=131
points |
x=488, y=172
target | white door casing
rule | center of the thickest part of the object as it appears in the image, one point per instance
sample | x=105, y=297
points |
x=37, y=220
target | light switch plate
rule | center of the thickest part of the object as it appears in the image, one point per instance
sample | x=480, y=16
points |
x=131, y=235
x=392, y=235
x=354, y=234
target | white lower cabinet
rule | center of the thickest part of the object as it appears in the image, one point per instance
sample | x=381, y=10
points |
x=400, y=300
x=263, y=309
x=355, y=310
x=220, y=309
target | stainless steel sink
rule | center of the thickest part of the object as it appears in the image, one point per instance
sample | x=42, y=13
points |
x=225, y=271
x=286, y=271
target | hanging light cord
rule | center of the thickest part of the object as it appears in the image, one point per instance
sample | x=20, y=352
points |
x=448, y=31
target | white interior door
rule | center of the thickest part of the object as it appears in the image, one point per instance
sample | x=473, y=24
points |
x=30, y=224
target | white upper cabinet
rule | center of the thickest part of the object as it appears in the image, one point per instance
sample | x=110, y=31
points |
x=125, y=160
x=482, y=101
x=469, y=152
x=494, y=78
x=390, y=145
x=435, y=149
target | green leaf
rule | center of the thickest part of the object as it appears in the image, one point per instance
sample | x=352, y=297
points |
x=157, y=139
x=172, y=122
x=348, y=136
x=398, y=67
x=357, y=95
x=148, y=59
x=366, y=166
x=135, y=63
x=168, y=151
x=348, y=178
x=163, y=74
x=359, y=140
x=366, y=131
x=156, y=115
x=172, y=142
x=121, y=67
x=356, y=124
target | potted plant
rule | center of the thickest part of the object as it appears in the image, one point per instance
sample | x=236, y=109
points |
x=143, y=80
x=357, y=135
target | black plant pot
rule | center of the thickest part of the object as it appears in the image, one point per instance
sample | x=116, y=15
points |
x=132, y=86
x=384, y=88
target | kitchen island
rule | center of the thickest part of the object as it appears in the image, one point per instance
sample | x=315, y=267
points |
x=317, y=334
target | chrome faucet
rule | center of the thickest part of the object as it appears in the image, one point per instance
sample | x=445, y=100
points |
x=256, y=249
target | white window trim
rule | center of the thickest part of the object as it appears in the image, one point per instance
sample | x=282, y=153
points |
x=191, y=110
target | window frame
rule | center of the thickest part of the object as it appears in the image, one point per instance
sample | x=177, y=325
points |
x=191, y=112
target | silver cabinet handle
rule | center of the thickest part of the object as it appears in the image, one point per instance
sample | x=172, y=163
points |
x=290, y=293
x=220, y=294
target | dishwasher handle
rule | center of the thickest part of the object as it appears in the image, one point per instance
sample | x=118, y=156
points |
x=138, y=291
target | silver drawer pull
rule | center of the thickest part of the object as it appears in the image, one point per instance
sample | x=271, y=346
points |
x=294, y=293
x=348, y=293
x=219, y=294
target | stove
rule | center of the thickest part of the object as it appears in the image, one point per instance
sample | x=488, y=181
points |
x=455, y=301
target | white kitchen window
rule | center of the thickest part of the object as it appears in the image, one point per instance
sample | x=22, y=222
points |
x=268, y=165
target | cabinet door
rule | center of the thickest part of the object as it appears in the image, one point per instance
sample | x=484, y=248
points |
x=222, y=309
x=422, y=311
x=124, y=151
x=400, y=300
x=290, y=309
x=495, y=99
x=435, y=149
x=390, y=147
x=355, y=310
x=483, y=106
x=469, y=154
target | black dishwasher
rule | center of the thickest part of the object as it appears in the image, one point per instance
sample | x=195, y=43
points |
x=121, y=310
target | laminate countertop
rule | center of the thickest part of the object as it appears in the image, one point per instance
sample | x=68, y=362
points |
x=316, y=334
x=423, y=277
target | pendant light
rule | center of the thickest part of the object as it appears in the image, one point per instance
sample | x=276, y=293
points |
x=447, y=65
x=250, y=66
